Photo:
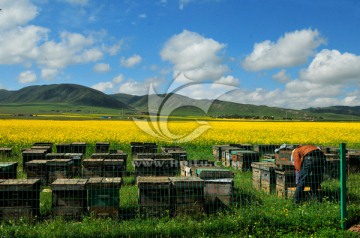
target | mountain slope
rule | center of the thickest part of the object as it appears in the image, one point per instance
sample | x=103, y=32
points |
x=61, y=93
x=344, y=110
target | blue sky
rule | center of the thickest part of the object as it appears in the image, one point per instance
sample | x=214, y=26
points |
x=283, y=53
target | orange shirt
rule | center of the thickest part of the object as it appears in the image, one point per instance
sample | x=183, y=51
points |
x=299, y=153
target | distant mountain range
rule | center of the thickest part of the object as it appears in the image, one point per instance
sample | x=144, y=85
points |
x=78, y=95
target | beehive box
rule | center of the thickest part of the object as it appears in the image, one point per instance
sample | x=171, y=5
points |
x=266, y=148
x=5, y=152
x=51, y=156
x=20, y=198
x=78, y=147
x=291, y=192
x=113, y=168
x=217, y=151
x=242, y=159
x=59, y=169
x=243, y=146
x=283, y=158
x=269, y=158
x=139, y=147
x=258, y=168
x=165, y=148
x=8, y=170
x=226, y=154
x=268, y=178
x=154, y=196
x=188, y=168
x=103, y=196
x=179, y=155
x=284, y=180
x=69, y=198
x=213, y=173
x=218, y=193
x=37, y=169
x=144, y=167
x=28, y=155
x=47, y=148
x=120, y=155
x=102, y=147
x=187, y=195
x=63, y=148
x=92, y=168
x=77, y=166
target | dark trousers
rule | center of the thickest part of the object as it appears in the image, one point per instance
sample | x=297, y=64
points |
x=311, y=173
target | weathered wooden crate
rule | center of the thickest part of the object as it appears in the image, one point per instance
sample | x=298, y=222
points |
x=37, y=169
x=92, y=168
x=218, y=193
x=103, y=196
x=20, y=198
x=283, y=157
x=217, y=151
x=258, y=169
x=63, y=148
x=78, y=147
x=28, y=155
x=102, y=147
x=266, y=148
x=154, y=196
x=113, y=168
x=268, y=178
x=187, y=195
x=5, y=152
x=139, y=147
x=59, y=169
x=51, y=156
x=284, y=180
x=256, y=175
x=48, y=148
x=69, y=198
x=77, y=166
x=8, y=170
x=213, y=173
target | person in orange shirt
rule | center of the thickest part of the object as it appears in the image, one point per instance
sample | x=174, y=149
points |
x=309, y=162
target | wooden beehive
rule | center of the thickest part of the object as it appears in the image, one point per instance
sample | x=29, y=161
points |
x=102, y=147
x=226, y=154
x=166, y=167
x=242, y=159
x=5, y=152
x=47, y=148
x=120, y=155
x=263, y=171
x=51, y=156
x=69, y=198
x=78, y=147
x=218, y=193
x=187, y=195
x=100, y=156
x=154, y=196
x=178, y=155
x=28, y=155
x=92, y=168
x=59, y=169
x=283, y=158
x=188, y=168
x=37, y=169
x=77, y=163
x=217, y=151
x=113, y=168
x=243, y=146
x=266, y=148
x=63, y=148
x=103, y=196
x=213, y=173
x=284, y=180
x=20, y=198
x=139, y=147
x=144, y=167
x=8, y=170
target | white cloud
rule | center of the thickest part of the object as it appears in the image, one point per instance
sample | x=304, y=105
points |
x=183, y=3
x=49, y=74
x=103, y=86
x=27, y=77
x=332, y=67
x=140, y=87
x=131, y=61
x=16, y=13
x=143, y=15
x=281, y=76
x=195, y=56
x=118, y=79
x=102, y=68
x=78, y=2
x=228, y=80
x=292, y=49
x=114, y=49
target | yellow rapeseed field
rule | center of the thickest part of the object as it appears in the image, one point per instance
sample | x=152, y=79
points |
x=26, y=132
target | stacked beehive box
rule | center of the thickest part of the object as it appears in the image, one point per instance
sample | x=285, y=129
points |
x=155, y=164
x=77, y=163
x=69, y=197
x=178, y=153
x=188, y=168
x=36, y=169
x=242, y=159
x=154, y=196
x=5, y=152
x=20, y=198
x=266, y=148
x=92, y=168
x=59, y=168
x=103, y=196
x=78, y=147
x=28, y=155
x=63, y=148
x=263, y=176
x=139, y=147
x=187, y=195
x=102, y=147
x=285, y=181
x=8, y=170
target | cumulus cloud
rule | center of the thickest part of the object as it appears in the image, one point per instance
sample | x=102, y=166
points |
x=49, y=74
x=292, y=49
x=330, y=66
x=134, y=87
x=102, y=68
x=27, y=77
x=108, y=86
x=281, y=76
x=16, y=13
x=195, y=56
x=131, y=61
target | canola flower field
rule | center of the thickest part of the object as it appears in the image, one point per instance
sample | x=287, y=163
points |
x=27, y=132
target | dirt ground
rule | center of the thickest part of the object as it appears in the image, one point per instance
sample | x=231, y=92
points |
x=355, y=228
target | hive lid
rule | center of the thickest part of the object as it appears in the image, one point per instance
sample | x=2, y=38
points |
x=206, y=173
x=187, y=182
x=69, y=184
